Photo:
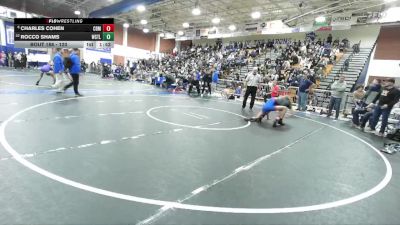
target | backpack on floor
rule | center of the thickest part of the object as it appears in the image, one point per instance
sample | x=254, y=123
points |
x=395, y=136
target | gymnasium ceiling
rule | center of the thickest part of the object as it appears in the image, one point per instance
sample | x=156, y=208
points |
x=169, y=15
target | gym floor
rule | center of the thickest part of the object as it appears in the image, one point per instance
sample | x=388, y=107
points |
x=130, y=153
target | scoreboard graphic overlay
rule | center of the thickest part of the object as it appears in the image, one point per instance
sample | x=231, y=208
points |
x=64, y=33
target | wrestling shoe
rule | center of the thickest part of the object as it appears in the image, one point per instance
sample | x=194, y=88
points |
x=275, y=123
x=280, y=122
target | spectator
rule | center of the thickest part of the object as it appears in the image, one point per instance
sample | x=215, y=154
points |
x=275, y=89
x=10, y=59
x=346, y=64
x=388, y=97
x=304, y=88
x=359, y=105
x=338, y=88
x=329, y=39
x=369, y=111
x=372, y=91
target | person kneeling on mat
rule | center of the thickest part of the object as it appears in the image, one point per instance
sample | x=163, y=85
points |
x=48, y=70
x=279, y=104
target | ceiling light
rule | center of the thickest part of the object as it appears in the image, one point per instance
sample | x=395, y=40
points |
x=214, y=28
x=162, y=35
x=216, y=20
x=196, y=11
x=320, y=19
x=185, y=25
x=255, y=15
x=180, y=33
x=145, y=30
x=141, y=8
x=232, y=27
x=389, y=1
x=144, y=22
x=125, y=25
x=77, y=12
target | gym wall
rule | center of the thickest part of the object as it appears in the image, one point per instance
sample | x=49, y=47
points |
x=167, y=45
x=388, y=44
x=119, y=60
x=138, y=39
x=385, y=60
x=118, y=34
x=367, y=34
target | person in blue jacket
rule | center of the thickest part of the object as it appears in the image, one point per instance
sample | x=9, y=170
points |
x=74, y=71
x=215, y=78
x=58, y=69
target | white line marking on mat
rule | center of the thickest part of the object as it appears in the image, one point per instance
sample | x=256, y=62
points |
x=211, y=124
x=200, y=127
x=104, y=142
x=235, y=172
x=79, y=116
x=197, y=117
x=169, y=204
x=202, y=116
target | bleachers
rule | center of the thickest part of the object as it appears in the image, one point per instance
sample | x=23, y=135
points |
x=244, y=70
x=357, y=63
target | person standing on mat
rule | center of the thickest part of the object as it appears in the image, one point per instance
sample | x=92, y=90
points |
x=74, y=70
x=58, y=68
x=194, y=80
x=338, y=88
x=253, y=79
x=215, y=79
x=279, y=104
x=207, y=78
x=46, y=69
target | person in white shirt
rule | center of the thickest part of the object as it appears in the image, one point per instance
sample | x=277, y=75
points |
x=253, y=79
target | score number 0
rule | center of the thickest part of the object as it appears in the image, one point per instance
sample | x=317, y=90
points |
x=108, y=27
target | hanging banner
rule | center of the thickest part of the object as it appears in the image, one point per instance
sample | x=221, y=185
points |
x=203, y=32
x=9, y=28
x=190, y=33
x=327, y=28
x=275, y=27
x=251, y=27
x=341, y=20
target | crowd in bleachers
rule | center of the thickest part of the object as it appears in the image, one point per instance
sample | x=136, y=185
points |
x=285, y=61
x=291, y=60
x=17, y=60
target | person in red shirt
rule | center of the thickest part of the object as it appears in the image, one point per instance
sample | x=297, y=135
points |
x=275, y=89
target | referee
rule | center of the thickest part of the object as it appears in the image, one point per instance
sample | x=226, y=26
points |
x=252, y=80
